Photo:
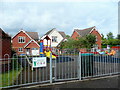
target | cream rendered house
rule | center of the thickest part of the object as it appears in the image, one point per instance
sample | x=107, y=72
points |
x=55, y=36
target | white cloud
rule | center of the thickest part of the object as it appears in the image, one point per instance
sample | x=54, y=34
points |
x=60, y=0
x=42, y=17
x=92, y=22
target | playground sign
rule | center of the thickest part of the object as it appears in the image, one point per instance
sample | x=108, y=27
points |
x=39, y=62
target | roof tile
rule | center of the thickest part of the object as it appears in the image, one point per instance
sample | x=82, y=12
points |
x=33, y=35
x=84, y=32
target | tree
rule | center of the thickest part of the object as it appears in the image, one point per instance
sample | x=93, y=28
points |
x=67, y=36
x=110, y=40
x=83, y=42
x=91, y=40
x=70, y=43
x=110, y=35
x=103, y=37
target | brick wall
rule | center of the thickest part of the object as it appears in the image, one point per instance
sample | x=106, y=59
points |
x=75, y=35
x=94, y=32
x=6, y=46
x=16, y=44
x=32, y=45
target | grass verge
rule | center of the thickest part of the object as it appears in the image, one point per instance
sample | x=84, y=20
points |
x=8, y=78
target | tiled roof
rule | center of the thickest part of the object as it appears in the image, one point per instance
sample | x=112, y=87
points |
x=33, y=35
x=63, y=34
x=49, y=31
x=84, y=32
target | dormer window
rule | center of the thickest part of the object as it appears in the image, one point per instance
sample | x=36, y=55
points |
x=21, y=39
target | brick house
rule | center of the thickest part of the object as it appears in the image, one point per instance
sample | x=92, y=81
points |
x=26, y=43
x=84, y=32
x=5, y=44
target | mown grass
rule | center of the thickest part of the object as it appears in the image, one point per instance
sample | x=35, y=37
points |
x=8, y=78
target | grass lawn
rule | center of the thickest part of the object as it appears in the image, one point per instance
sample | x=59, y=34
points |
x=7, y=79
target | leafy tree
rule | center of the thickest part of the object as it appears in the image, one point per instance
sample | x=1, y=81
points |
x=67, y=36
x=110, y=40
x=82, y=42
x=105, y=42
x=67, y=44
x=110, y=35
x=91, y=40
x=103, y=37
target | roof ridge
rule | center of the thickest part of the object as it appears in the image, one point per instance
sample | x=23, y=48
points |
x=48, y=32
x=85, y=28
x=60, y=31
x=27, y=31
x=85, y=31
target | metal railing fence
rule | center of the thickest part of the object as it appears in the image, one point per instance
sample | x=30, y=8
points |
x=68, y=65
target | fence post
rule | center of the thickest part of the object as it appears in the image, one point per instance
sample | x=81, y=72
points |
x=79, y=66
x=50, y=67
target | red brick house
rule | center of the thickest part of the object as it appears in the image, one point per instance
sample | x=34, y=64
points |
x=26, y=43
x=5, y=44
x=84, y=32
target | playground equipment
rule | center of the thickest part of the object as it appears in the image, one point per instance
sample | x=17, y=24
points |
x=41, y=48
x=45, y=50
x=113, y=52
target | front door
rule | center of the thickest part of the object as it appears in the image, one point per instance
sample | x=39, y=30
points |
x=28, y=51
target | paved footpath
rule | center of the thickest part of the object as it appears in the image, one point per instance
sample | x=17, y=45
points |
x=106, y=82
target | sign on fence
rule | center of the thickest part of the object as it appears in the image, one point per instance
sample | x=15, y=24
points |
x=39, y=62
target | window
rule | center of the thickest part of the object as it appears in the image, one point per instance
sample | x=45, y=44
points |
x=21, y=39
x=34, y=48
x=96, y=38
x=54, y=38
x=20, y=49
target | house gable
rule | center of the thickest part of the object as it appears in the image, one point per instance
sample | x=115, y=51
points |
x=28, y=36
x=84, y=32
x=95, y=31
x=98, y=37
x=32, y=44
x=75, y=35
x=53, y=33
x=22, y=31
x=49, y=32
x=15, y=39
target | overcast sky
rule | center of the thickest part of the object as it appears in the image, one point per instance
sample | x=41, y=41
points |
x=63, y=15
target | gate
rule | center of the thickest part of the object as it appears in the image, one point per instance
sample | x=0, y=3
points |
x=66, y=66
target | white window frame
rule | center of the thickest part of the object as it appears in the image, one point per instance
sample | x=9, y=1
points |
x=54, y=38
x=96, y=39
x=34, y=48
x=22, y=38
x=20, y=49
